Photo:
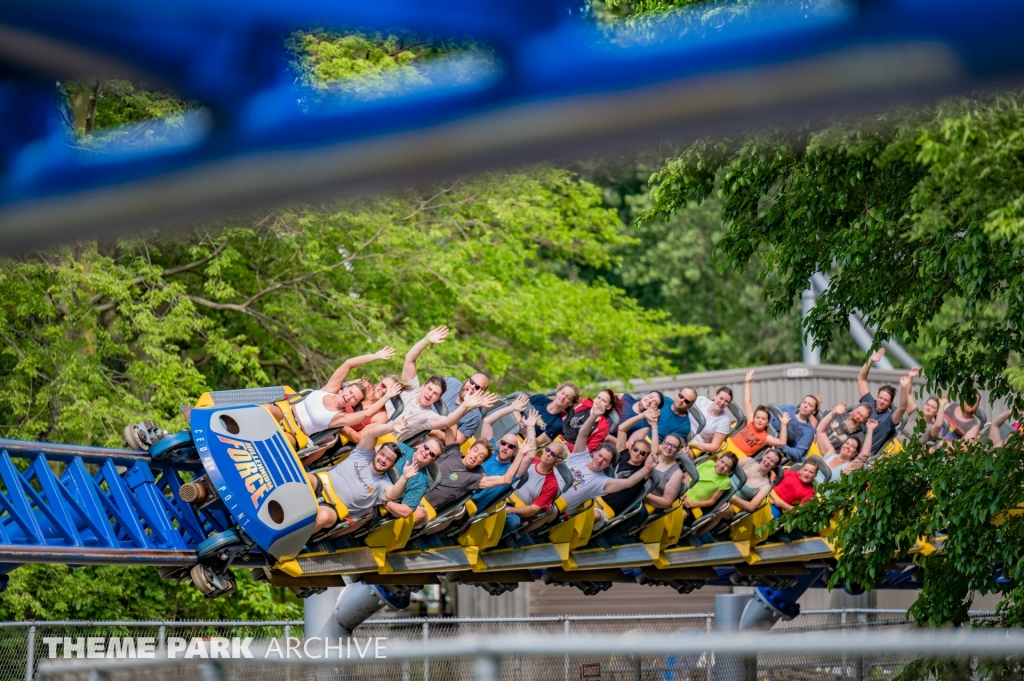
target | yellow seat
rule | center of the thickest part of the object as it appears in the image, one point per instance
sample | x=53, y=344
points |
x=330, y=496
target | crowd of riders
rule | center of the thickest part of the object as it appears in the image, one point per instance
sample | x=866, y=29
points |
x=610, y=444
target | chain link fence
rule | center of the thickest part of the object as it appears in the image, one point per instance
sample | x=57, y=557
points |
x=24, y=644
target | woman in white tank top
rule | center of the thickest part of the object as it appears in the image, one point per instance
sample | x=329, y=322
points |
x=326, y=408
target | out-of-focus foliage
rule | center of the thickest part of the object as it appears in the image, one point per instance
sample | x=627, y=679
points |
x=372, y=65
x=124, y=593
x=970, y=497
x=917, y=215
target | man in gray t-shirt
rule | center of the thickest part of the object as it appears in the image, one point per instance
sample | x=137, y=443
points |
x=361, y=480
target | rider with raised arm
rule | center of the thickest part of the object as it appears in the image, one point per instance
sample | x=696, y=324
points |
x=460, y=474
x=506, y=448
x=881, y=411
x=589, y=480
x=419, y=401
x=361, y=481
x=832, y=432
x=754, y=435
x=854, y=453
x=632, y=458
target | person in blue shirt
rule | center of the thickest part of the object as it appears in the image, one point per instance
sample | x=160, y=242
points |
x=675, y=417
x=800, y=429
x=633, y=406
x=506, y=447
x=553, y=410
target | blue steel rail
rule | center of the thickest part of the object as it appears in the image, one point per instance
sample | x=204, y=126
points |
x=559, y=86
x=90, y=505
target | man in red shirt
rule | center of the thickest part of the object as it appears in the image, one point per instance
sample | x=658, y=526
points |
x=794, y=489
x=539, y=490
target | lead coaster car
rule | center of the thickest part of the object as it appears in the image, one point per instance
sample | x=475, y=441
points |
x=256, y=475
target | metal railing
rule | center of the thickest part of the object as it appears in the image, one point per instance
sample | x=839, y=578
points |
x=721, y=657
x=23, y=644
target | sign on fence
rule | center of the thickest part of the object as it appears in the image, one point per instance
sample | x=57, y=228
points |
x=590, y=672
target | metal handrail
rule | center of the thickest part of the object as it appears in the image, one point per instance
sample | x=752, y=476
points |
x=988, y=643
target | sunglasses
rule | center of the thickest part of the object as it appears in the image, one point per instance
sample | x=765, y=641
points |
x=510, y=445
x=548, y=450
x=684, y=400
x=638, y=450
x=428, y=450
x=474, y=384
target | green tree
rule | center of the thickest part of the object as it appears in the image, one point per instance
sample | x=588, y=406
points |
x=98, y=336
x=915, y=214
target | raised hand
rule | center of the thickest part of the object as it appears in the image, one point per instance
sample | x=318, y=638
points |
x=652, y=415
x=479, y=399
x=411, y=469
x=905, y=380
x=594, y=409
x=532, y=418
x=394, y=390
x=840, y=408
x=520, y=403
x=750, y=376
x=914, y=371
x=872, y=424
x=385, y=353
x=877, y=355
x=399, y=425
x=438, y=335
x=785, y=418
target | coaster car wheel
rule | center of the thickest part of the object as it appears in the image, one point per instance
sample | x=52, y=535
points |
x=142, y=436
x=176, y=448
x=212, y=584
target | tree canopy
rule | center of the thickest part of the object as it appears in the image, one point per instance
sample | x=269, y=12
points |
x=915, y=214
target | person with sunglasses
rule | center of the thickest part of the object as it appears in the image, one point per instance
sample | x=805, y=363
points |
x=456, y=393
x=674, y=418
x=422, y=456
x=588, y=469
x=539, y=490
x=632, y=458
x=670, y=475
x=505, y=448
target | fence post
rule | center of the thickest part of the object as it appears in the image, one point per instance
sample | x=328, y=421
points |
x=709, y=624
x=565, y=630
x=287, y=635
x=161, y=639
x=860, y=670
x=426, y=661
x=842, y=625
x=486, y=668
x=30, y=653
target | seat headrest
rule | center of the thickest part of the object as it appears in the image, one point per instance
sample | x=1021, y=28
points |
x=739, y=416
x=698, y=416
x=688, y=466
x=440, y=407
x=399, y=407
x=566, y=474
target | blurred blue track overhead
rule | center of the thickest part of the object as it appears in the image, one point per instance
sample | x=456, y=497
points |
x=556, y=87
